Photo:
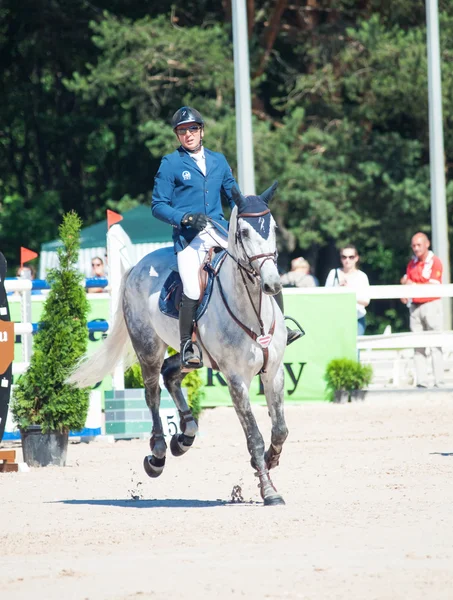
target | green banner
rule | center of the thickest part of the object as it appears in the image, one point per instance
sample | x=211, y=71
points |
x=330, y=325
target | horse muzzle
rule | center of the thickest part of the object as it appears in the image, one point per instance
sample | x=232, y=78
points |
x=270, y=288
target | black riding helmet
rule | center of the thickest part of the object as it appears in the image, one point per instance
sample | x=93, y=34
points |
x=186, y=114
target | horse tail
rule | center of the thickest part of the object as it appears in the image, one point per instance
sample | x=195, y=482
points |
x=116, y=347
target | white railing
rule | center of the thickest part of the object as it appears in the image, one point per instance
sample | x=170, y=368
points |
x=23, y=294
x=382, y=292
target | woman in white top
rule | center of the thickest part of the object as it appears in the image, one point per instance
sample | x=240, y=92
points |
x=350, y=276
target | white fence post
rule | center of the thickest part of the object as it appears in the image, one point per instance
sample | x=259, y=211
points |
x=25, y=312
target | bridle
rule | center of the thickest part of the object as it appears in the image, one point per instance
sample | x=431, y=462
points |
x=247, y=264
x=250, y=259
x=264, y=339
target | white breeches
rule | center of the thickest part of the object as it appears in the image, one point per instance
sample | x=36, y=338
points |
x=191, y=258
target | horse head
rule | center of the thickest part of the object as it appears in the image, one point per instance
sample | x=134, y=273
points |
x=252, y=239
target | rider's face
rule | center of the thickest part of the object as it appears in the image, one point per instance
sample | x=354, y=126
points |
x=189, y=135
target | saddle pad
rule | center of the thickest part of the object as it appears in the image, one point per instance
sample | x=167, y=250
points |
x=172, y=289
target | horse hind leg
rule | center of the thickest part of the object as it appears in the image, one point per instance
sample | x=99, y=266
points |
x=171, y=372
x=255, y=443
x=150, y=364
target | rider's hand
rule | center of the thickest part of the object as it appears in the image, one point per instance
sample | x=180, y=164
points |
x=196, y=220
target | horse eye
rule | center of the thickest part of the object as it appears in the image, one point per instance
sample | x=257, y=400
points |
x=245, y=233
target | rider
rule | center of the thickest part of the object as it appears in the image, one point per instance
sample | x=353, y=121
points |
x=187, y=194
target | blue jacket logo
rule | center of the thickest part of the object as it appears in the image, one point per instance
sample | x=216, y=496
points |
x=186, y=175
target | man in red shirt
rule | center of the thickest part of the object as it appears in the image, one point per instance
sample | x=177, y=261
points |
x=425, y=313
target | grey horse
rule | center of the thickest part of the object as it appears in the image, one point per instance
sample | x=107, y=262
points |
x=242, y=334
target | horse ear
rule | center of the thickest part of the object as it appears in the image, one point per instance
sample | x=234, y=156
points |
x=238, y=198
x=269, y=193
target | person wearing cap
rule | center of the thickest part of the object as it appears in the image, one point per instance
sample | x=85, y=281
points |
x=188, y=191
x=299, y=276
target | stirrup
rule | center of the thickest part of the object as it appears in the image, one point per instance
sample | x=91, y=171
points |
x=189, y=364
x=293, y=334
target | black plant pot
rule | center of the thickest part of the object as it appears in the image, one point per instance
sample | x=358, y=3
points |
x=341, y=396
x=43, y=449
x=358, y=395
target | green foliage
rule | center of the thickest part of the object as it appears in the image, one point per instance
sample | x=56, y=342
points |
x=362, y=376
x=347, y=374
x=145, y=64
x=42, y=397
x=133, y=379
x=195, y=392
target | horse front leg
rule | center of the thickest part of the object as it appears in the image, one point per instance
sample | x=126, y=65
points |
x=239, y=392
x=171, y=373
x=274, y=393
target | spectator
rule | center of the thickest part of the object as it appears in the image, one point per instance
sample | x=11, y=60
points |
x=299, y=276
x=425, y=313
x=106, y=265
x=97, y=272
x=349, y=275
x=25, y=272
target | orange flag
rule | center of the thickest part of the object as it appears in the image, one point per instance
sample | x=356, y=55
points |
x=112, y=218
x=26, y=255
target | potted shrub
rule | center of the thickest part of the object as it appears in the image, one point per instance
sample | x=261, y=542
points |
x=346, y=379
x=361, y=379
x=44, y=407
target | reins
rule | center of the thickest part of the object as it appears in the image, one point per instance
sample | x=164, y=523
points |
x=263, y=340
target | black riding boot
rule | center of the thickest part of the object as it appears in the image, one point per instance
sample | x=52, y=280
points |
x=292, y=334
x=187, y=310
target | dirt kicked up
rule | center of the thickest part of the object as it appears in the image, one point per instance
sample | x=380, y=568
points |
x=368, y=490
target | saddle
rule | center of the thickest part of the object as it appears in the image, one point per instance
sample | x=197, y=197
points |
x=170, y=296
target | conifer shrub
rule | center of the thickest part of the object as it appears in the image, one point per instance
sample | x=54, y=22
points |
x=42, y=397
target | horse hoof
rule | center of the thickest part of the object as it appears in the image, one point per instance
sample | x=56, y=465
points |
x=153, y=466
x=180, y=443
x=274, y=501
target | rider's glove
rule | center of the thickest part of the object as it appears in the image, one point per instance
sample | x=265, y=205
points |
x=196, y=220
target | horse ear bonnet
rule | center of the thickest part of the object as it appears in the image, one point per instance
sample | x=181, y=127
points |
x=267, y=196
x=238, y=199
x=254, y=206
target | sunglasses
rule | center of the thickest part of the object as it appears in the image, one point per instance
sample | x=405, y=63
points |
x=192, y=129
x=345, y=257
x=96, y=264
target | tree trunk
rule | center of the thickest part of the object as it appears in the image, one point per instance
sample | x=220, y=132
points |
x=271, y=35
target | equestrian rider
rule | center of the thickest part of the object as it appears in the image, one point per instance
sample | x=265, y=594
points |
x=187, y=194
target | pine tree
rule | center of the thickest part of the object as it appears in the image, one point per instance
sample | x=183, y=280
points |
x=42, y=397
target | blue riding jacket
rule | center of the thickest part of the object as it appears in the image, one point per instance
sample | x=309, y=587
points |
x=180, y=187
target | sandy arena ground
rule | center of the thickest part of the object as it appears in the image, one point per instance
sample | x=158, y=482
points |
x=369, y=494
